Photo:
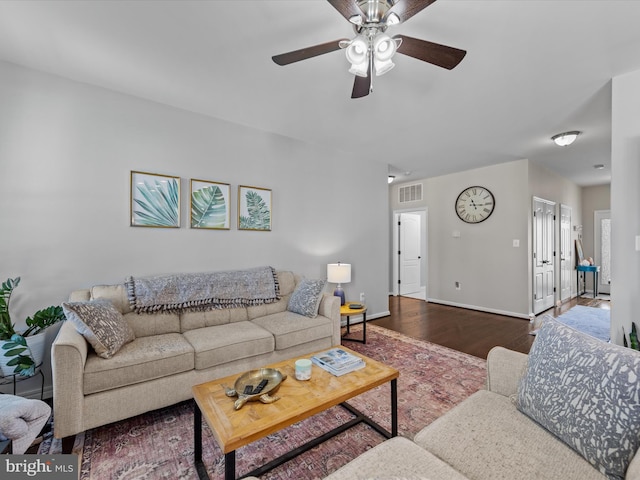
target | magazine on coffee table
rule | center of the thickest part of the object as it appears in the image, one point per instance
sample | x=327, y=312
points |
x=338, y=361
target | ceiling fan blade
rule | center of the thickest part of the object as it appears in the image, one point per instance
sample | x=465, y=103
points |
x=405, y=9
x=304, y=53
x=362, y=85
x=440, y=55
x=348, y=8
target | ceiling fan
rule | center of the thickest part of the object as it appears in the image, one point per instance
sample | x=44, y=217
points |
x=372, y=49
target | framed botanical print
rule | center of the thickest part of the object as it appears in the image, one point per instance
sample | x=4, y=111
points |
x=210, y=205
x=155, y=200
x=254, y=208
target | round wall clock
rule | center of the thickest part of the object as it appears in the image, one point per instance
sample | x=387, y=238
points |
x=475, y=204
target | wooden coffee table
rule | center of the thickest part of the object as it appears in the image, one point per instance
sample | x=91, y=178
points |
x=298, y=400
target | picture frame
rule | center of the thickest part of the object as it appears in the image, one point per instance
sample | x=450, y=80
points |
x=254, y=208
x=210, y=205
x=155, y=200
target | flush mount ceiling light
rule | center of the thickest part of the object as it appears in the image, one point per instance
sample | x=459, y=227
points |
x=566, y=138
x=391, y=178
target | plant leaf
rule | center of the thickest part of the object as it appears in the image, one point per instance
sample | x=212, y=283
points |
x=259, y=215
x=208, y=208
x=160, y=204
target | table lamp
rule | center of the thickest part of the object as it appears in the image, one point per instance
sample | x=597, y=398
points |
x=339, y=273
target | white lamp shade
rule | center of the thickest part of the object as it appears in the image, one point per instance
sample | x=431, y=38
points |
x=358, y=56
x=339, y=272
x=383, y=47
x=382, y=66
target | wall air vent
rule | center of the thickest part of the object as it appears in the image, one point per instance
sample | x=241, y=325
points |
x=410, y=193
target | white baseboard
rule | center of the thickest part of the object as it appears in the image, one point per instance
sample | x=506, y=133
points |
x=479, y=309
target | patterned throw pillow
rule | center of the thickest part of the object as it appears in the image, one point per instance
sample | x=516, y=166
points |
x=305, y=299
x=101, y=324
x=587, y=393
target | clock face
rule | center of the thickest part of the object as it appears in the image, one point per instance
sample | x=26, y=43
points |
x=475, y=204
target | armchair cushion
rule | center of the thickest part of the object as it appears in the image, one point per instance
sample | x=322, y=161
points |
x=21, y=420
x=587, y=393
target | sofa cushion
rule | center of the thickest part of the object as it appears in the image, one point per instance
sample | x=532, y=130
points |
x=396, y=458
x=587, y=393
x=486, y=438
x=147, y=324
x=143, y=359
x=207, y=318
x=305, y=299
x=287, y=282
x=226, y=343
x=101, y=324
x=116, y=294
x=291, y=329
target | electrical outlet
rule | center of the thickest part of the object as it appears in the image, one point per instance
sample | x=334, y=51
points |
x=458, y=286
x=362, y=297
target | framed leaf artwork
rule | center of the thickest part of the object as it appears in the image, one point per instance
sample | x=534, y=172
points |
x=254, y=208
x=155, y=200
x=210, y=205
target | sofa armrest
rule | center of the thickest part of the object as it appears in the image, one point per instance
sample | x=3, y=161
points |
x=504, y=370
x=68, y=357
x=330, y=308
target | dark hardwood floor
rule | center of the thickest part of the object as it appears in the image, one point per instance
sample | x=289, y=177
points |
x=465, y=330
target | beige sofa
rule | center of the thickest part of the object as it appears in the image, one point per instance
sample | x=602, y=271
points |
x=173, y=352
x=483, y=438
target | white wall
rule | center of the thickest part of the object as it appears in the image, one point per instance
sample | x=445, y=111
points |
x=495, y=276
x=66, y=152
x=482, y=258
x=625, y=204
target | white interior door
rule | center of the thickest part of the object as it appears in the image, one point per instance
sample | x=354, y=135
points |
x=543, y=255
x=602, y=247
x=566, y=254
x=410, y=255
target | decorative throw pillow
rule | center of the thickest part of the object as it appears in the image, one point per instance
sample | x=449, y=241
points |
x=305, y=299
x=587, y=393
x=101, y=324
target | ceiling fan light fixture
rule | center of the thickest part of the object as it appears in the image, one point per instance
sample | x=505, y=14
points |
x=384, y=47
x=566, y=138
x=393, y=19
x=356, y=19
x=358, y=56
x=382, y=66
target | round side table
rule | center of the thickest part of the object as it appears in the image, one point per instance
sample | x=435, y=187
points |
x=347, y=311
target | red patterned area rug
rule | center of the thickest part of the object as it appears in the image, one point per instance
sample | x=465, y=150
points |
x=159, y=444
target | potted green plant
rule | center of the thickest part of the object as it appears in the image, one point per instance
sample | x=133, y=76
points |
x=16, y=355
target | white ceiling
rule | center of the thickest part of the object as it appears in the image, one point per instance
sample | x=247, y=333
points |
x=533, y=69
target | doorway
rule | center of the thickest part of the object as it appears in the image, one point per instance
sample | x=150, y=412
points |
x=566, y=254
x=409, y=253
x=544, y=259
x=602, y=248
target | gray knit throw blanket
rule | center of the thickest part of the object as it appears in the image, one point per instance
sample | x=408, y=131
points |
x=203, y=291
